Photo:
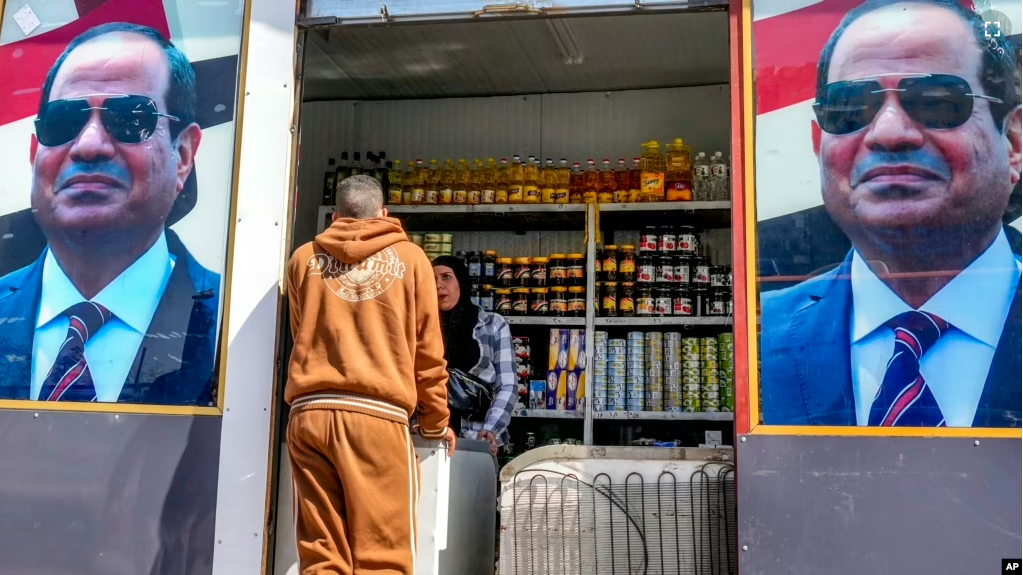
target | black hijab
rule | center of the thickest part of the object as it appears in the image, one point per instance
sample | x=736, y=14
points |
x=461, y=350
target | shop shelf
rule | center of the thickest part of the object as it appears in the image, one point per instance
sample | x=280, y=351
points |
x=499, y=217
x=659, y=321
x=548, y=414
x=519, y=320
x=661, y=416
x=666, y=207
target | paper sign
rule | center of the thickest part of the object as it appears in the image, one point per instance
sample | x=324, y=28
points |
x=27, y=20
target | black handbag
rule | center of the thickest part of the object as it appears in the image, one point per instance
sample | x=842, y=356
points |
x=468, y=396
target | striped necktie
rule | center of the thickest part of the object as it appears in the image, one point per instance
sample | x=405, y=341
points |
x=70, y=379
x=904, y=398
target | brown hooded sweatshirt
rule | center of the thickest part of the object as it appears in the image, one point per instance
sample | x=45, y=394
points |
x=366, y=326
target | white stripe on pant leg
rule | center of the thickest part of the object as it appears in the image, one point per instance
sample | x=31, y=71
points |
x=410, y=454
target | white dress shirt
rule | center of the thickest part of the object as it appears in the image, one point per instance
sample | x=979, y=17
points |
x=132, y=299
x=976, y=303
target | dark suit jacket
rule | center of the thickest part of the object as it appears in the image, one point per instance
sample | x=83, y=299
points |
x=806, y=376
x=173, y=366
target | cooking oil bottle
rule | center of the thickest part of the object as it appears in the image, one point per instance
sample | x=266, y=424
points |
x=653, y=173
x=531, y=192
x=591, y=182
x=622, y=183
x=516, y=180
x=548, y=182
x=488, y=183
x=562, y=181
x=608, y=184
x=501, y=197
x=394, y=184
x=575, y=184
x=461, y=184
x=446, y=182
x=678, y=176
x=636, y=180
x=432, y=183
x=475, y=182
x=417, y=183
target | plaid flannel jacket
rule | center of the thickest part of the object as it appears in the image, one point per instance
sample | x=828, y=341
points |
x=496, y=367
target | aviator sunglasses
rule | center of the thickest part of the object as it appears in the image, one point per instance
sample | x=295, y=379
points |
x=128, y=119
x=935, y=101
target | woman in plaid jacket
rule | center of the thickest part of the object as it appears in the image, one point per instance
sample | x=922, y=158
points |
x=480, y=344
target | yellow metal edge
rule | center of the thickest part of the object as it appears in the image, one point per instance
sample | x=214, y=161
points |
x=111, y=408
x=232, y=212
x=861, y=431
x=749, y=176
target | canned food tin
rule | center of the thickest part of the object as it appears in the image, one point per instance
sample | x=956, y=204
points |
x=616, y=350
x=617, y=387
x=692, y=388
x=673, y=373
x=635, y=395
x=598, y=379
x=672, y=364
x=614, y=395
x=716, y=404
x=635, y=336
x=673, y=408
x=691, y=364
x=726, y=378
x=690, y=372
x=726, y=356
x=708, y=342
x=705, y=395
x=726, y=336
x=655, y=389
x=707, y=372
x=616, y=365
x=614, y=406
x=635, y=387
x=711, y=409
x=727, y=365
x=726, y=409
x=691, y=402
x=636, y=372
x=711, y=364
x=726, y=392
x=612, y=380
x=691, y=341
x=653, y=335
x=673, y=381
x=636, y=364
x=673, y=336
x=707, y=383
x=726, y=346
x=599, y=369
x=616, y=341
x=691, y=408
x=656, y=407
x=635, y=380
x=613, y=372
x=635, y=405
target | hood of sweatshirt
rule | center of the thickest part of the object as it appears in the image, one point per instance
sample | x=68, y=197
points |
x=352, y=241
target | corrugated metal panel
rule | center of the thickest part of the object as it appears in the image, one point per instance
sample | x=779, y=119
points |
x=369, y=11
x=513, y=244
x=521, y=56
x=328, y=128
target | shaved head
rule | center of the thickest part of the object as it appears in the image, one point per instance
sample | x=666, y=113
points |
x=359, y=197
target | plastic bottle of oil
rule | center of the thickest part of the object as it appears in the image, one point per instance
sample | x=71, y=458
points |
x=501, y=197
x=562, y=182
x=515, y=180
x=591, y=182
x=608, y=184
x=548, y=182
x=636, y=180
x=622, y=183
x=653, y=173
x=678, y=175
x=417, y=183
x=488, y=183
x=394, y=184
x=531, y=192
x=446, y=183
x=460, y=186
x=575, y=184
x=475, y=182
x=432, y=183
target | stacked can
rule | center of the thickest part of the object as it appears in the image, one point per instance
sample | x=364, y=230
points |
x=599, y=377
x=636, y=372
x=654, y=371
x=672, y=371
x=617, y=360
x=710, y=392
x=726, y=371
x=691, y=365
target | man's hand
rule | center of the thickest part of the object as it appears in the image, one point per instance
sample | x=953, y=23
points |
x=489, y=438
x=452, y=440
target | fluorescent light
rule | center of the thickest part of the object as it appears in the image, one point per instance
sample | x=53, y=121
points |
x=564, y=36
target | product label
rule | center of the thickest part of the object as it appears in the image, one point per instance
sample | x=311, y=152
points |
x=680, y=191
x=686, y=243
x=474, y=269
x=540, y=274
x=667, y=274
x=523, y=273
x=475, y=300
x=476, y=196
x=559, y=305
x=406, y=197
x=487, y=303
x=718, y=170
x=501, y=197
x=576, y=272
x=446, y=195
x=609, y=264
x=547, y=195
x=701, y=171
x=558, y=273
x=505, y=274
x=394, y=196
x=610, y=303
x=716, y=307
x=648, y=243
x=461, y=196
x=431, y=196
x=681, y=274
x=418, y=195
x=520, y=306
x=531, y=195
x=666, y=243
x=702, y=274
x=561, y=196
x=645, y=306
x=663, y=305
x=717, y=280
x=577, y=305
x=503, y=305
x=647, y=273
x=540, y=307
x=514, y=194
x=488, y=270
x=653, y=183
x=626, y=304
x=605, y=197
x=628, y=267
x=621, y=196
x=683, y=305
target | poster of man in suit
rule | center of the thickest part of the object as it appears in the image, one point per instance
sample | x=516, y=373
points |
x=890, y=293
x=115, y=229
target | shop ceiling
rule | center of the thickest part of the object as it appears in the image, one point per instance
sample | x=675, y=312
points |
x=538, y=55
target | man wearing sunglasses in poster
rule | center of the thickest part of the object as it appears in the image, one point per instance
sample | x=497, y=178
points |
x=115, y=309
x=919, y=153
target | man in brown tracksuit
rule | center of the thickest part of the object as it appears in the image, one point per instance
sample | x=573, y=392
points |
x=368, y=353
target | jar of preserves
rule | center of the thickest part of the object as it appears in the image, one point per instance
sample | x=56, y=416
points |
x=474, y=294
x=662, y=301
x=559, y=301
x=717, y=302
x=539, y=305
x=645, y=304
x=627, y=264
x=646, y=269
x=682, y=301
x=489, y=266
x=609, y=303
x=523, y=272
x=520, y=301
x=557, y=275
x=665, y=268
x=627, y=299
x=699, y=294
x=503, y=301
x=575, y=268
x=576, y=301
x=718, y=275
x=681, y=264
x=487, y=297
x=609, y=267
x=648, y=239
x=540, y=271
x=505, y=275
x=598, y=266
x=701, y=271
x=598, y=292
x=686, y=239
x=666, y=239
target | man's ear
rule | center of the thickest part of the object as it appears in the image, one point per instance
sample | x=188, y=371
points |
x=333, y=216
x=815, y=136
x=33, y=147
x=1014, y=136
x=187, y=146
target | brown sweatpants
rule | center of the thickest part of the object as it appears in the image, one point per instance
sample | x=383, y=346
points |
x=356, y=490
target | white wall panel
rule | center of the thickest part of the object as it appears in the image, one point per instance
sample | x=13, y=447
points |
x=328, y=128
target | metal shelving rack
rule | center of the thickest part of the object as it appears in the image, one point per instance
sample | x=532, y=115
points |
x=484, y=214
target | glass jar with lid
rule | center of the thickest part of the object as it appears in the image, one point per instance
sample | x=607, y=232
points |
x=539, y=304
x=505, y=273
x=559, y=301
x=646, y=269
x=682, y=301
x=575, y=267
x=520, y=301
x=627, y=264
x=666, y=239
x=665, y=268
x=540, y=265
x=609, y=303
x=474, y=294
x=475, y=265
x=648, y=239
x=645, y=304
x=627, y=299
x=489, y=266
x=576, y=301
x=681, y=263
x=487, y=297
x=557, y=274
x=503, y=301
x=523, y=272
x=609, y=265
x=662, y=300
x=717, y=302
x=687, y=239
x=701, y=271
